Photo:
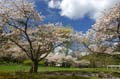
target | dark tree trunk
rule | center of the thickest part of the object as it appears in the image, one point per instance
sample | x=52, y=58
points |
x=34, y=67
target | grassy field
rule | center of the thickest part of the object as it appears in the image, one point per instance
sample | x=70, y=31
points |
x=19, y=72
x=25, y=68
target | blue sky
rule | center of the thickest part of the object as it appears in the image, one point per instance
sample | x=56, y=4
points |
x=80, y=16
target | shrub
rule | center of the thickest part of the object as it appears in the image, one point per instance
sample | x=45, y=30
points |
x=10, y=58
x=42, y=63
x=27, y=62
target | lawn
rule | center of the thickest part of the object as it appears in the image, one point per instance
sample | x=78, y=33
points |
x=25, y=68
x=19, y=72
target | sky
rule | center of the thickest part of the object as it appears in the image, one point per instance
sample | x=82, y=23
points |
x=78, y=14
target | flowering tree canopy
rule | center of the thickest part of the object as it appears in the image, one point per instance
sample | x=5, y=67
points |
x=107, y=28
x=19, y=23
x=104, y=36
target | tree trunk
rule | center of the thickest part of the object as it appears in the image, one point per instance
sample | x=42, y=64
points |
x=34, y=67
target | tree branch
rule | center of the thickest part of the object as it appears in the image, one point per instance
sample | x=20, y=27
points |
x=89, y=48
x=48, y=52
x=28, y=38
x=118, y=30
x=20, y=46
x=44, y=56
x=15, y=27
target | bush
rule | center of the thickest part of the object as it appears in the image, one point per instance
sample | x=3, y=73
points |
x=9, y=58
x=27, y=62
x=42, y=63
x=66, y=64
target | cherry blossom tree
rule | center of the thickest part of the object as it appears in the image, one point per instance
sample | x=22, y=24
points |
x=107, y=28
x=104, y=36
x=20, y=23
x=91, y=45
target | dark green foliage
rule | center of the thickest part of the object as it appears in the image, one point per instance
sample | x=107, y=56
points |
x=117, y=74
x=7, y=59
x=66, y=64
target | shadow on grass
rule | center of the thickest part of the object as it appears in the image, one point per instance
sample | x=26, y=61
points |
x=55, y=75
x=36, y=76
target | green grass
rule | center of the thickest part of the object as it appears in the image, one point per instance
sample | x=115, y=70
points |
x=14, y=72
x=25, y=68
x=13, y=68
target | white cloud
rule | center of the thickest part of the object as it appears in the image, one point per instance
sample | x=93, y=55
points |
x=75, y=9
x=54, y=4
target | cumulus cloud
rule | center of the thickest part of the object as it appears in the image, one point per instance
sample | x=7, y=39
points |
x=75, y=9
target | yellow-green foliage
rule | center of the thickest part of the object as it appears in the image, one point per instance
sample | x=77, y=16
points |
x=27, y=62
